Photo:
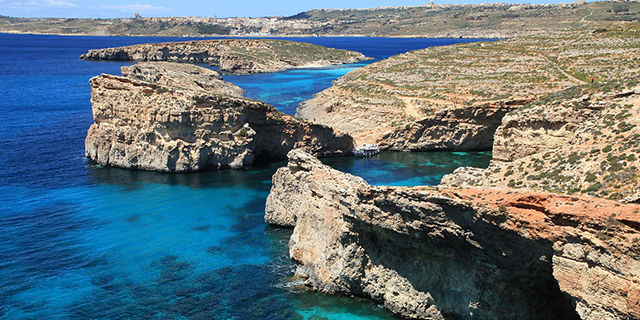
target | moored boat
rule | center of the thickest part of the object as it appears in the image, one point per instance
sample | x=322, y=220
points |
x=366, y=150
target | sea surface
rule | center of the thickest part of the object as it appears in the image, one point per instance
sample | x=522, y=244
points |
x=79, y=241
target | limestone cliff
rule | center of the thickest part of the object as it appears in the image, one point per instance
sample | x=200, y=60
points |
x=582, y=140
x=463, y=128
x=172, y=117
x=432, y=253
x=232, y=55
x=453, y=97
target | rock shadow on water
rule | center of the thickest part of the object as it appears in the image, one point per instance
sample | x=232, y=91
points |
x=253, y=238
x=132, y=180
x=205, y=227
x=248, y=244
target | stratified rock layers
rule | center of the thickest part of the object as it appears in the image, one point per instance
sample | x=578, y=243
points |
x=454, y=97
x=435, y=254
x=182, y=118
x=465, y=128
x=232, y=55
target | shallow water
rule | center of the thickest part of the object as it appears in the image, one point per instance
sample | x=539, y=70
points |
x=80, y=241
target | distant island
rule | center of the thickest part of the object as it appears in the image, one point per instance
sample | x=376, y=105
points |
x=499, y=20
x=240, y=56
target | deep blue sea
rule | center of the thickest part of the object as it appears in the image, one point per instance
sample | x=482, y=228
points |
x=78, y=241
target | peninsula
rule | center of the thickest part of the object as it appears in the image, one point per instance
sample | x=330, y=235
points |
x=459, y=253
x=550, y=230
x=239, y=56
x=454, y=97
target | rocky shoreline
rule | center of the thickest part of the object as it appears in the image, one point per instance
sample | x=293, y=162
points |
x=238, y=56
x=530, y=237
x=446, y=253
x=550, y=230
x=454, y=97
x=173, y=117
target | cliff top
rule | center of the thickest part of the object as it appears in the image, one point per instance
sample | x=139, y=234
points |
x=182, y=75
x=411, y=86
x=538, y=209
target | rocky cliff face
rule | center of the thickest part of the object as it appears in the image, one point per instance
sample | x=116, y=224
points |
x=232, y=55
x=172, y=117
x=454, y=96
x=432, y=253
x=491, y=243
x=583, y=140
x=464, y=128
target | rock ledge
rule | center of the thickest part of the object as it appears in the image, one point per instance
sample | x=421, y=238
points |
x=172, y=117
x=436, y=253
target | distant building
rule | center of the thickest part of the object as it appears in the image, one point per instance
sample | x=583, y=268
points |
x=137, y=16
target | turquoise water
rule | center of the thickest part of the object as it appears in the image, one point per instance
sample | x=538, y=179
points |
x=285, y=90
x=78, y=241
x=408, y=168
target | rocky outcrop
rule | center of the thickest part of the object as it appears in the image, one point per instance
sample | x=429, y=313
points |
x=475, y=252
x=232, y=55
x=465, y=128
x=583, y=140
x=453, y=97
x=432, y=253
x=182, y=75
x=172, y=117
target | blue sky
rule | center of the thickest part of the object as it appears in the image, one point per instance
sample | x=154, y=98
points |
x=165, y=8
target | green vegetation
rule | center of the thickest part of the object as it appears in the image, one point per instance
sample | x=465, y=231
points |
x=162, y=90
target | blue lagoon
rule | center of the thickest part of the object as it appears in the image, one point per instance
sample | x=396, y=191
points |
x=79, y=241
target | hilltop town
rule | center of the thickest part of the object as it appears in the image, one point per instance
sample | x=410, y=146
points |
x=487, y=20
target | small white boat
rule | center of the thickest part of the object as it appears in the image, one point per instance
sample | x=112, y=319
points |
x=366, y=150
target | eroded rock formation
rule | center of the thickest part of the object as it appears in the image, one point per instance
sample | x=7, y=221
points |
x=464, y=128
x=583, y=140
x=433, y=253
x=453, y=97
x=172, y=117
x=232, y=55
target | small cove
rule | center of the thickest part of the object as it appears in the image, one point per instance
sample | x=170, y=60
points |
x=82, y=241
